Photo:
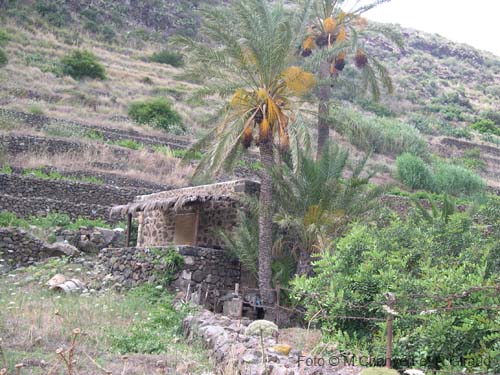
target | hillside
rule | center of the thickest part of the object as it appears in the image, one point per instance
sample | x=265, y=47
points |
x=71, y=149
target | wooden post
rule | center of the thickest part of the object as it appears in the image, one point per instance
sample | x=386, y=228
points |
x=196, y=222
x=391, y=300
x=236, y=289
x=129, y=228
x=278, y=292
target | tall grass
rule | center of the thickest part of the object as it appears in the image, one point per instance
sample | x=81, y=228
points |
x=378, y=134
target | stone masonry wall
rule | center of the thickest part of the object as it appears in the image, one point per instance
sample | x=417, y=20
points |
x=129, y=267
x=72, y=191
x=19, y=144
x=158, y=227
x=41, y=122
x=39, y=206
x=19, y=248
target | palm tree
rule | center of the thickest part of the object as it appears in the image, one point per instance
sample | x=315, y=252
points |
x=333, y=36
x=248, y=56
x=316, y=202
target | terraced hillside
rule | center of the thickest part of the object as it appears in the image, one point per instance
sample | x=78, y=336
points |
x=81, y=127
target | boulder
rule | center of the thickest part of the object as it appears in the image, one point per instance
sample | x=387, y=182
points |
x=61, y=249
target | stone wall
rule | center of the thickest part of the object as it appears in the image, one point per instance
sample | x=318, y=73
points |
x=203, y=268
x=20, y=144
x=40, y=206
x=19, y=248
x=41, y=122
x=112, y=179
x=65, y=190
x=158, y=227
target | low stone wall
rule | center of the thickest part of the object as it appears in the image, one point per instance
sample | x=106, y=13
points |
x=65, y=190
x=107, y=178
x=19, y=144
x=41, y=122
x=203, y=267
x=228, y=344
x=19, y=248
x=40, y=206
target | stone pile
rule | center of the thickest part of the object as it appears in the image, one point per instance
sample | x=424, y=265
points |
x=232, y=348
x=18, y=248
x=91, y=240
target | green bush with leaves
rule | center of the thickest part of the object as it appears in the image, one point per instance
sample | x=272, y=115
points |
x=414, y=172
x=158, y=113
x=408, y=257
x=3, y=58
x=55, y=12
x=82, y=64
x=486, y=126
x=167, y=57
x=456, y=180
x=127, y=143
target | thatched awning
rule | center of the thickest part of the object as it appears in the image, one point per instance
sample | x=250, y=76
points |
x=172, y=203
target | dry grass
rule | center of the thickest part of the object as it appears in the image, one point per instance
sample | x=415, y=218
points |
x=142, y=165
x=35, y=323
x=99, y=102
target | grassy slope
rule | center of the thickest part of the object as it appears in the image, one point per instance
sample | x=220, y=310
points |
x=35, y=322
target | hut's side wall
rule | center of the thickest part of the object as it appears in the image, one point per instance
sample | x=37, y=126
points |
x=157, y=229
x=223, y=216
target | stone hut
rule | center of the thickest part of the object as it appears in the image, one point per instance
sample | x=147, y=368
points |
x=188, y=216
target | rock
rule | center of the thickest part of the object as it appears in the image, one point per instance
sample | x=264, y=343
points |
x=282, y=349
x=264, y=327
x=61, y=249
x=249, y=358
x=56, y=280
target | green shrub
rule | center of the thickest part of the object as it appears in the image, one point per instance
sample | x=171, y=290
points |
x=9, y=219
x=6, y=169
x=3, y=58
x=178, y=153
x=54, y=12
x=413, y=172
x=35, y=109
x=407, y=257
x=4, y=37
x=486, y=126
x=95, y=135
x=157, y=112
x=456, y=180
x=378, y=134
x=127, y=143
x=81, y=64
x=167, y=57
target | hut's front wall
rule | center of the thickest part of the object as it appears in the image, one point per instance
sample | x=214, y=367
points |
x=158, y=227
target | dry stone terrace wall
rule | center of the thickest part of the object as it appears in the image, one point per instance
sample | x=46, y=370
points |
x=20, y=144
x=203, y=267
x=72, y=191
x=18, y=248
x=38, y=206
x=106, y=178
x=40, y=122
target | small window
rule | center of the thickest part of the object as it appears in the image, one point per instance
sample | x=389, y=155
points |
x=185, y=229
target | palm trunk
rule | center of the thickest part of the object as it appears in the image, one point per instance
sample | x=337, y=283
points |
x=323, y=108
x=265, y=223
x=304, y=263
